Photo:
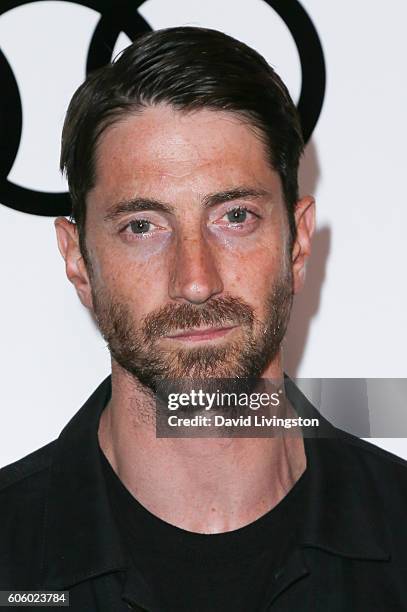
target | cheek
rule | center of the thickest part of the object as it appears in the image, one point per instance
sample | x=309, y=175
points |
x=250, y=268
x=113, y=256
x=138, y=281
x=147, y=251
x=233, y=241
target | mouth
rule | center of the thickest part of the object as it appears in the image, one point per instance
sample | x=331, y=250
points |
x=195, y=335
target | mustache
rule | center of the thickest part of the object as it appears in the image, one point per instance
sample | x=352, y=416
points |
x=226, y=310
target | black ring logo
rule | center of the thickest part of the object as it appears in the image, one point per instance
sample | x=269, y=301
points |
x=117, y=17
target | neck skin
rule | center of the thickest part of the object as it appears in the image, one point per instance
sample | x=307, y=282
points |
x=203, y=485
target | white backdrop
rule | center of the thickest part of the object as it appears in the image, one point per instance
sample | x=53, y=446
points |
x=351, y=319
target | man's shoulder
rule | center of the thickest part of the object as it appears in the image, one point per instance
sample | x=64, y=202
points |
x=20, y=476
x=383, y=472
x=371, y=453
x=23, y=502
x=30, y=476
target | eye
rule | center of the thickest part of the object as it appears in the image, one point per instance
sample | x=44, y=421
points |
x=139, y=229
x=237, y=215
x=238, y=220
x=139, y=226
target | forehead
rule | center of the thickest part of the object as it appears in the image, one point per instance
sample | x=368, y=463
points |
x=160, y=148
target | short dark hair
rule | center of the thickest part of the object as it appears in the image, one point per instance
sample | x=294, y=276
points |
x=189, y=68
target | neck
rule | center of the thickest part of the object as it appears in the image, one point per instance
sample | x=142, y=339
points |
x=204, y=485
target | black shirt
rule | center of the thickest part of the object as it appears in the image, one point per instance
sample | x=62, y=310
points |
x=207, y=572
x=58, y=529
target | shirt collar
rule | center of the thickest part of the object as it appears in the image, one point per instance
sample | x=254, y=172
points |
x=81, y=538
x=340, y=516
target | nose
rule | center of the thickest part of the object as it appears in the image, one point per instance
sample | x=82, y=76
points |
x=194, y=276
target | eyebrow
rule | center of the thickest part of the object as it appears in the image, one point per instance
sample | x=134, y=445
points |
x=142, y=204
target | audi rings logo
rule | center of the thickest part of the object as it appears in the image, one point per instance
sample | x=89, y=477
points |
x=123, y=16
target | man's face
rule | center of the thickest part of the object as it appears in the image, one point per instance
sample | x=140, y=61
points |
x=186, y=228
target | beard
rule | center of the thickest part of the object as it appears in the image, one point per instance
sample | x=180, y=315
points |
x=136, y=348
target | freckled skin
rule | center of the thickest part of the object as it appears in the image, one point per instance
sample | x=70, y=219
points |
x=192, y=259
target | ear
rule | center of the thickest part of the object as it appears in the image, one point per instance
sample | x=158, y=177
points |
x=75, y=267
x=305, y=223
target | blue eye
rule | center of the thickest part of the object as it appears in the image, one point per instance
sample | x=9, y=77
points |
x=237, y=215
x=139, y=226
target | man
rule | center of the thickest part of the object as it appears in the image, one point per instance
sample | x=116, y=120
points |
x=187, y=245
